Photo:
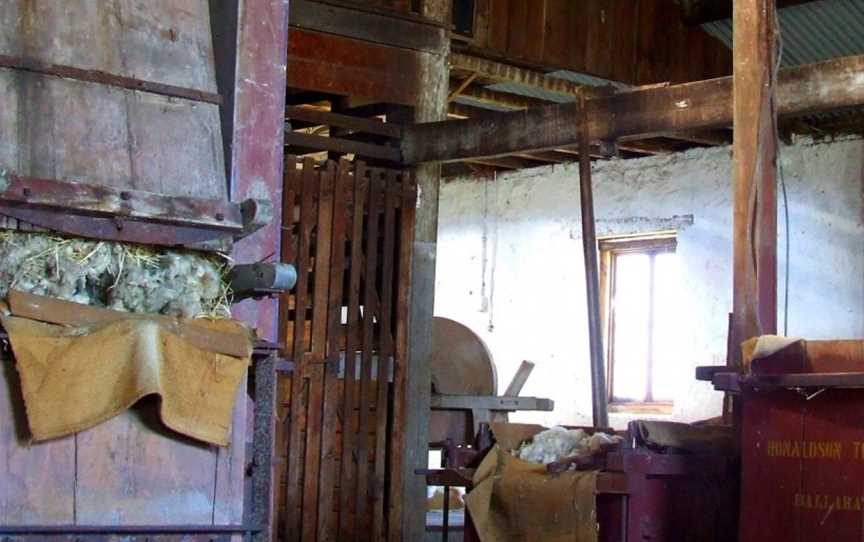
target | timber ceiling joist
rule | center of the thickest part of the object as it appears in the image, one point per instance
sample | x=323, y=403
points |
x=474, y=93
x=491, y=71
x=655, y=111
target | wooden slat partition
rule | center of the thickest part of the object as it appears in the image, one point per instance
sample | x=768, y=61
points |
x=345, y=326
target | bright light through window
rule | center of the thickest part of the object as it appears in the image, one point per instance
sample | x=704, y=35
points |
x=643, y=313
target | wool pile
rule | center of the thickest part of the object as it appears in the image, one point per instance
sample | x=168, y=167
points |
x=120, y=276
x=560, y=443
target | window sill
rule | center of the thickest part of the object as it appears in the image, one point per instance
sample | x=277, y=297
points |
x=642, y=408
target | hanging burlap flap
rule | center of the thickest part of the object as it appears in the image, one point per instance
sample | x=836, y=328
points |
x=74, y=378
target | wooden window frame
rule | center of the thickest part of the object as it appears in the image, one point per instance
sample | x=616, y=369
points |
x=610, y=248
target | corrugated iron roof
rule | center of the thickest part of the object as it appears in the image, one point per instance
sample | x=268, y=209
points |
x=812, y=32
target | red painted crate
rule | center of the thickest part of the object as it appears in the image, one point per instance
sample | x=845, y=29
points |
x=802, y=443
x=645, y=496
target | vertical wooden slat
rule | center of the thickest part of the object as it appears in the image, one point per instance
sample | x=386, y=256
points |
x=623, y=40
x=288, y=248
x=518, y=39
x=288, y=252
x=369, y=295
x=327, y=528
x=577, y=39
x=348, y=505
x=535, y=31
x=315, y=366
x=385, y=354
x=403, y=296
x=499, y=24
x=294, y=494
x=646, y=43
x=480, y=37
x=557, y=31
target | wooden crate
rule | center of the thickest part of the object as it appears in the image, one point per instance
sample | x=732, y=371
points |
x=802, y=442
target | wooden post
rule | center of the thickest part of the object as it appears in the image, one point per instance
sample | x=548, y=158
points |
x=592, y=279
x=258, y=122
x=431, y=106
x=754, y=291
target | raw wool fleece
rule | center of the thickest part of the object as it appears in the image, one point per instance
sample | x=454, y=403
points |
x=560, y=443
x=130, y=278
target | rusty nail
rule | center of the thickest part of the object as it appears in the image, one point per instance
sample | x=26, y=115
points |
x=124, y=195
x=220, y=217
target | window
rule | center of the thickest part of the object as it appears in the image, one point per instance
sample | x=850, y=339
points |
x=641, y=311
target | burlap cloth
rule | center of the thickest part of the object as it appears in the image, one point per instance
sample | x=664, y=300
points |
x=517, y=501
x=73, y=378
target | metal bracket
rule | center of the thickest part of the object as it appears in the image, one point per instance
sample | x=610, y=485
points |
x=105, y=78
x=261, y=279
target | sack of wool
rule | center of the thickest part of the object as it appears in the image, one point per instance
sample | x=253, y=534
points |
x=560, y=443
x=131, y=278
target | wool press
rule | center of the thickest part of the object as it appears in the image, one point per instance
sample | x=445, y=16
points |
x=465, y=385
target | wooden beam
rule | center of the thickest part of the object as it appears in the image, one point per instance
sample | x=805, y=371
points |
x=362, y=24
x=551, y=157
x=356, y=124
x=461, y=87
x=499, y=71
x=707, y=104
x=315, y=143
x=500, y=99
x=507, y=162
x=490, y=402
x=754, y=274
x=337, y=65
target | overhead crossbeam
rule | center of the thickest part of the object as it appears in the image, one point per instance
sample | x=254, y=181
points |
x=825, y=86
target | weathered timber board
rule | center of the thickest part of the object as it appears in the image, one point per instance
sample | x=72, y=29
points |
x=38, y=482
x=61, y=128
x=129, y=470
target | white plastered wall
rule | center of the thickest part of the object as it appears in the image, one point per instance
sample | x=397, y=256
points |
x=510, y=261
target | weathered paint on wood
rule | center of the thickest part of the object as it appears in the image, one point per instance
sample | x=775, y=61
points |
x=258, y=128
x=129, y=470
x=133, y=471
x=352, y=67
x=38, y=481
x=60, y=128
